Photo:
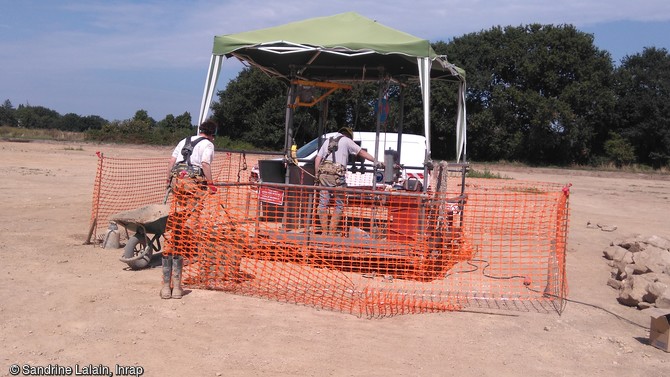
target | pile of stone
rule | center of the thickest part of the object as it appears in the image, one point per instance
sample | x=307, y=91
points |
x=640, y=271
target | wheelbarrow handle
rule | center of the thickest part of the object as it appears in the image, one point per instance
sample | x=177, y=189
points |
x=136, y=257
x=168, y=190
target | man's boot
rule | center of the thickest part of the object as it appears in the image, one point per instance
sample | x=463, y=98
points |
x=323, y=219
x=166, y=292
x=177, y=265
x=334, y=223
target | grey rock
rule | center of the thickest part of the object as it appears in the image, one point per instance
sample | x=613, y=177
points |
x=640, y=270
x=659, y=277
x=616, y=273
x=640, y=262
x=644, y=305
x=636, y=247
x=628, y=242
x=621, y=269
x=659, y=259
x=629, y=270
x=633, y=291
x=607, y=228
x=663, y=301
x=660, y=242
x=614, y=253
x=656, y=290
x=614, y=283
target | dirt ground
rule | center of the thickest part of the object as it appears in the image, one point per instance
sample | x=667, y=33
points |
x=75, y=305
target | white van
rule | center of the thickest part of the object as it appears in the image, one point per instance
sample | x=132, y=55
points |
x=412, y=156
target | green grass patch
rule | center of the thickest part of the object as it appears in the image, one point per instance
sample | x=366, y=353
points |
x=16, y=133
x=527, y=190
x=80, y=148
x=486, y=173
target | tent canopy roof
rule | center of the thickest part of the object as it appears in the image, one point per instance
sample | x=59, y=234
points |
x=343, y=47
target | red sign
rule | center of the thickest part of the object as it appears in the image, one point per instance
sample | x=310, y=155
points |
x=270, y=195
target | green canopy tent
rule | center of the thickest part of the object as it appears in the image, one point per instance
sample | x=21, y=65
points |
x=342, y=48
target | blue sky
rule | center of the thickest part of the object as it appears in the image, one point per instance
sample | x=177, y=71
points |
x=112, y=58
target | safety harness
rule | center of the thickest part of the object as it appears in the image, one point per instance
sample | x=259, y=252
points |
x=333, y=144
x=332, y=167
x=185, y=168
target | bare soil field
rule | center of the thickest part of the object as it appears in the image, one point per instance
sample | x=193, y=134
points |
x=74, y=305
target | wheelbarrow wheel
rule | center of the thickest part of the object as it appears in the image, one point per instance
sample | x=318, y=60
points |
x=137, y=254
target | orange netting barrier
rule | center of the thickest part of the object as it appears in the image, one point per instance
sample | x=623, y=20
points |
x=123, y=184
x=493, y=244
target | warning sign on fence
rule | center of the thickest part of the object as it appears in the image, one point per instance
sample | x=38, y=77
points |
x=270, y=195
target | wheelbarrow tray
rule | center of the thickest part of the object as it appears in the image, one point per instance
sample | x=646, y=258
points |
x=152, y=218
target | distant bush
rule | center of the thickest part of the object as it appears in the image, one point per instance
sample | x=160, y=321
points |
x=619, y=150
x=7, y=132
x=132, y=132
x=224, y=142
x=486, y=173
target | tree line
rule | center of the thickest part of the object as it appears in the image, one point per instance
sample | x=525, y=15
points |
x=539, y=94
x=141, y=128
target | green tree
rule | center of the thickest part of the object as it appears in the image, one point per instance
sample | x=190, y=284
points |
x=176, y=124
x=172, y=129
x=92, y=122
x=142, y=116
x=536, y=93
x=619, y=150
x=37, y=117
x=138, y=130
x=7, y=114
x=643, y=107
x=71, y=122
x=249, y=101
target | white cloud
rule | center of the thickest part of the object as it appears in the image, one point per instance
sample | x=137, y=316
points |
x=70, y=40
x=127, y=35
x=450, y=16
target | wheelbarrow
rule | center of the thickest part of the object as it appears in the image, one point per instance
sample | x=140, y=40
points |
x=148, y=223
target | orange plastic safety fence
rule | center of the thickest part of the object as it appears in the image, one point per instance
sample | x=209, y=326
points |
x=123, y=184
x=390, y=252
x=519, y=232
x=491, y=243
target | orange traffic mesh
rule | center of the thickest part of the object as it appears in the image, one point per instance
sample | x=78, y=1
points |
x=493, y=244
x=123, y=184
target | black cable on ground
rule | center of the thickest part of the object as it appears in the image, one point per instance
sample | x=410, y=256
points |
x=591, y=305
x=543, y=293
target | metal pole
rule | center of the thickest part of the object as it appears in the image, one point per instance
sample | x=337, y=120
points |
x=379, y=121
x=288, y=127
x=402, y=117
